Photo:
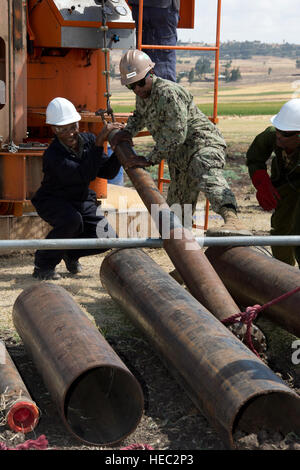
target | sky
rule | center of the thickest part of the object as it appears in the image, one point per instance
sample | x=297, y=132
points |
x=271, y=21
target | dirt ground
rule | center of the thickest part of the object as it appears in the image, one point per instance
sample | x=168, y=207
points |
x=170, y=420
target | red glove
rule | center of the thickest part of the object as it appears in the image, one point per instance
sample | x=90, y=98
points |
x=266, y=195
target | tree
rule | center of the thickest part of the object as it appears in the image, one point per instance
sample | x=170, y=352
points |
x=227, y=70
x=228, y=64
x=227, y=75
x=112, y=71
x=180, y=76
x=203, y=66
x=191, y=76
x=235, y=74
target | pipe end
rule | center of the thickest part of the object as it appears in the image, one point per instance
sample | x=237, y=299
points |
x=23, y=416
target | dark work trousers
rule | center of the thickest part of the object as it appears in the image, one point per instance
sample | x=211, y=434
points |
x=160, y=28
x=70, y=220
x=286, y=221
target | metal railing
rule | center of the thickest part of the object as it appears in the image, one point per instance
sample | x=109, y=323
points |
x=108, y=243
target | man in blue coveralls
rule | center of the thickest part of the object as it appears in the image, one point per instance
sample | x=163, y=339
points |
x=64, y=199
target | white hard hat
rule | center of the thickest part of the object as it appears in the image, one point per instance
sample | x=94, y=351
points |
x=60, y=112
x=288, y=118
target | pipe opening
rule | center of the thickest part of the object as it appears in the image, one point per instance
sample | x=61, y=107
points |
x=22, y=417
x=103, y=405
x=275, y=411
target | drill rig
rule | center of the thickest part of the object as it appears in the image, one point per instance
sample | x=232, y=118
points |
x=51, y=48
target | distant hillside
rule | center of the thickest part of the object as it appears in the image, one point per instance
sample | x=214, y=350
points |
x=245, y=50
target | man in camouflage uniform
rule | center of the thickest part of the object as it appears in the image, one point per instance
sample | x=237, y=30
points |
x=191, y=144
x=279, y=193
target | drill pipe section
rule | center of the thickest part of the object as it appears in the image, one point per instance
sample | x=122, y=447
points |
x=255, y=278
x=98, y=398
x=225, y=380
x=19, y=411
x=180, y=243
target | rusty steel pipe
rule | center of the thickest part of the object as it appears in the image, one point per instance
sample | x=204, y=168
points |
x=231, y=386
x=18, y=409
x=255, y=278
x=98, y=398
x=181, y=245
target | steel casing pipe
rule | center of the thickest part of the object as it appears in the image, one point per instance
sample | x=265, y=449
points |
x=19, y=411
x=255, y=278
x=180, y=244
x=98, y=398
x=232, y=387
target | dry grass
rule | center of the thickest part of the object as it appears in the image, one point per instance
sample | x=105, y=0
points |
x=85, y=288
x=256, y=84
x=242, y=130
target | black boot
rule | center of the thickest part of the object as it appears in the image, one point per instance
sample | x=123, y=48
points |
x=72, y=265
x=45, y=274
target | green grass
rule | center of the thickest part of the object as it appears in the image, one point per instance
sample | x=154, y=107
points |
x=262, y=93
x=243, y=108
x=233, y=175
x=123, y=108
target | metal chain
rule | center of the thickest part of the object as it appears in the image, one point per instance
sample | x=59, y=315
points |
x=106, y=71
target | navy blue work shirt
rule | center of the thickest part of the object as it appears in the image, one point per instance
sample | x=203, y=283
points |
x=68, y=175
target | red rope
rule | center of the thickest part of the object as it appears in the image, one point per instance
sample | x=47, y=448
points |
x=137, y=447
x=40, y=443
x=251, y=313
x=247, y=318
